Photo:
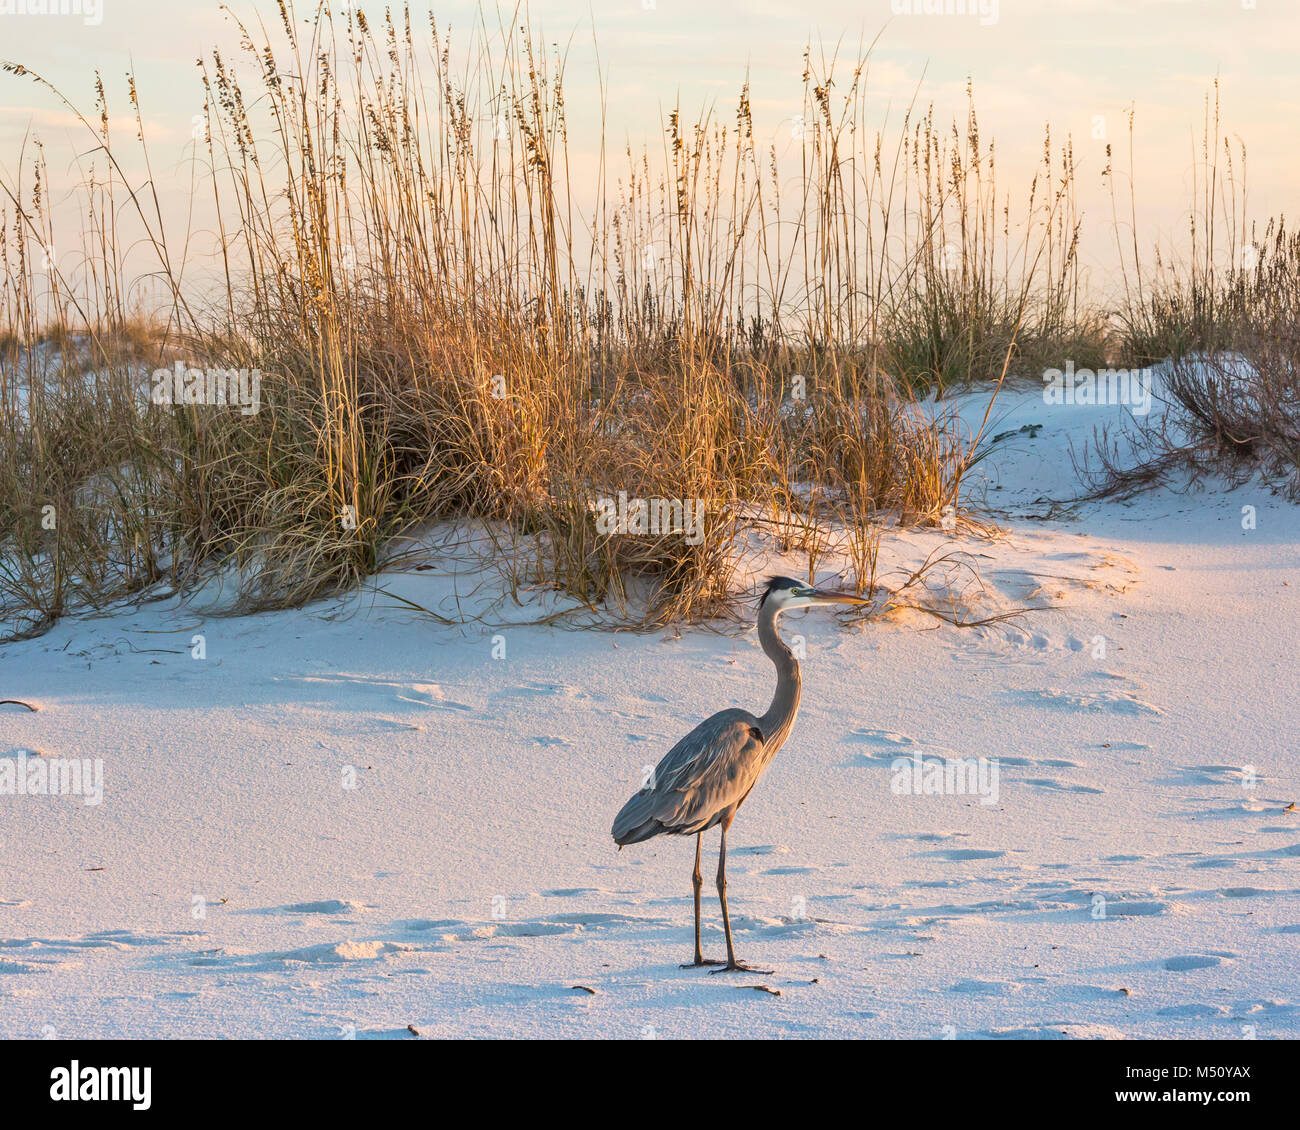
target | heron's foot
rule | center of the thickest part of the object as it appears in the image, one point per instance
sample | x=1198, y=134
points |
x=701, y=961
x=740, y=967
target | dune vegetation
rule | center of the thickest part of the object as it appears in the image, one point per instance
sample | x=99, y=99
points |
x=445, y=329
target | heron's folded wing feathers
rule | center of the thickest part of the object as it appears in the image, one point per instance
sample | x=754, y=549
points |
x=709, y=770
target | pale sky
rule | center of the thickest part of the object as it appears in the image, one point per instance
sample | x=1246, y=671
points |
x=1067, y=62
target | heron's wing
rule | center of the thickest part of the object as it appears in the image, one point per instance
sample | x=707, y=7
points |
x=708, y=771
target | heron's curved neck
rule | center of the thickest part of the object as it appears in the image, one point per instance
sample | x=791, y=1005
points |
x=778, y=720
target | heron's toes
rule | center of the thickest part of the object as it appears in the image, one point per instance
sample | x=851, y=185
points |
x=701, y=961
x=740, y=967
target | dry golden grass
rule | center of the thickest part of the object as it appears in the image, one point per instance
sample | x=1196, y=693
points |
x=442, y=333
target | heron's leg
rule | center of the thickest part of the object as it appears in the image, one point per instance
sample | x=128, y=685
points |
x=722, y=895
x=732, y=963
x=698, y=880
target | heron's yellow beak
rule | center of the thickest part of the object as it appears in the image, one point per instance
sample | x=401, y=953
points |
x=828, y=596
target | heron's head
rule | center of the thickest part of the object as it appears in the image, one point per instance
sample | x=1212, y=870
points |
x=785, y=593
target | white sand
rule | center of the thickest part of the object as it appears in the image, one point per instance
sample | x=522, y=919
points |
x=332, y=911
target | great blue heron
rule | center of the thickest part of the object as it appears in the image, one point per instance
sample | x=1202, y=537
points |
x=704, y=779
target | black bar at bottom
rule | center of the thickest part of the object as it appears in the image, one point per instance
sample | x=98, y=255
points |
x=335, y=1078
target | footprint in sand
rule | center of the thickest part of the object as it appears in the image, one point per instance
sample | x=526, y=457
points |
x=420, y=925
x=932, y=837
x=1056, y=1032
x=543, y=690
x=1109, y=702
x=331, y=952
x=1061, y=786
x=1191, y=962
x=383, y=693
x=597, y=919
x=1221, y=775
x=986, y=988
x=323, y=906
x=1192, y=1011
x=324, y=953
x=880, y=737
x=431, y=695
x=1152, y=909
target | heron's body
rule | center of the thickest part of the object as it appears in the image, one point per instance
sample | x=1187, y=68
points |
x=704, y=779
x=700, y=782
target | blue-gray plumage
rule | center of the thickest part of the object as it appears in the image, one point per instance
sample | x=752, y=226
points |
x=705, y=777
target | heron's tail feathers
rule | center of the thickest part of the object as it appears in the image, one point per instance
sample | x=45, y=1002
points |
x=636, y=820
x=640, y=832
